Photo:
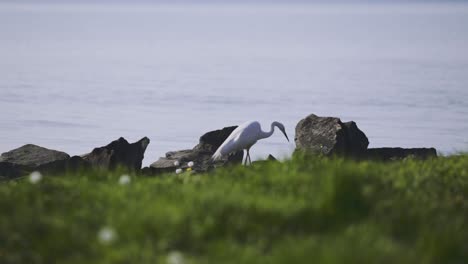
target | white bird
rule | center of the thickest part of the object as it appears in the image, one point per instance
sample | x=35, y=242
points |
x=244, y=137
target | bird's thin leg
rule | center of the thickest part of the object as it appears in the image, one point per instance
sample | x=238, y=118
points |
x=248, y=156
x=245, y=161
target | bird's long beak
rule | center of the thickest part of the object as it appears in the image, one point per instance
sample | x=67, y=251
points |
x=284, y=132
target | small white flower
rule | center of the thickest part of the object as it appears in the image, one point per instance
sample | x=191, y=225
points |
x=176, y=163
x=175, y=257
x=124, y=180
x=190, y=164
x=106, y=235
x=35, y=177
x=178, y=171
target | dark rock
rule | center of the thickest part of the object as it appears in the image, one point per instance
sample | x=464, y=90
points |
x=21, y=161
x=73, y=164
x=387, y=154
x=184, y=155
x=329, y=136
x=201, y=159
x=167, y=164
x=77, y=163
x=118, y=153
x=28, y=158
x=33, y=156
x=10, y=170
x=148, y=171
x=200, y=154
x=212, y=140
x=356, y=140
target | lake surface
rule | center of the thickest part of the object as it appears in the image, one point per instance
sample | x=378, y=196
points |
x=74, y=77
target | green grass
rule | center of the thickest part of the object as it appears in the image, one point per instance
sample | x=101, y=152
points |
x=300, y=211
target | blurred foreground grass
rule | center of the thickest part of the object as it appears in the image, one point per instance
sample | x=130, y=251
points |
x=299, y=211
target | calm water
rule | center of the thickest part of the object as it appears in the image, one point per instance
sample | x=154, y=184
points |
x=73, y=77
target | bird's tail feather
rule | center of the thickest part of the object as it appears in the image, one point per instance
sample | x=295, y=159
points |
x=216, y=156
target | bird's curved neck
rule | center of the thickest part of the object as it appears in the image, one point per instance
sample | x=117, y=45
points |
x=269, y=133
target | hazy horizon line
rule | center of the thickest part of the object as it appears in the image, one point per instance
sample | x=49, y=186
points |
x=227, y=1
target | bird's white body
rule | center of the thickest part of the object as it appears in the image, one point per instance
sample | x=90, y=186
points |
x=244, y=137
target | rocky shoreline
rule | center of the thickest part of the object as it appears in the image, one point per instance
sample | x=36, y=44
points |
x=325, y=136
